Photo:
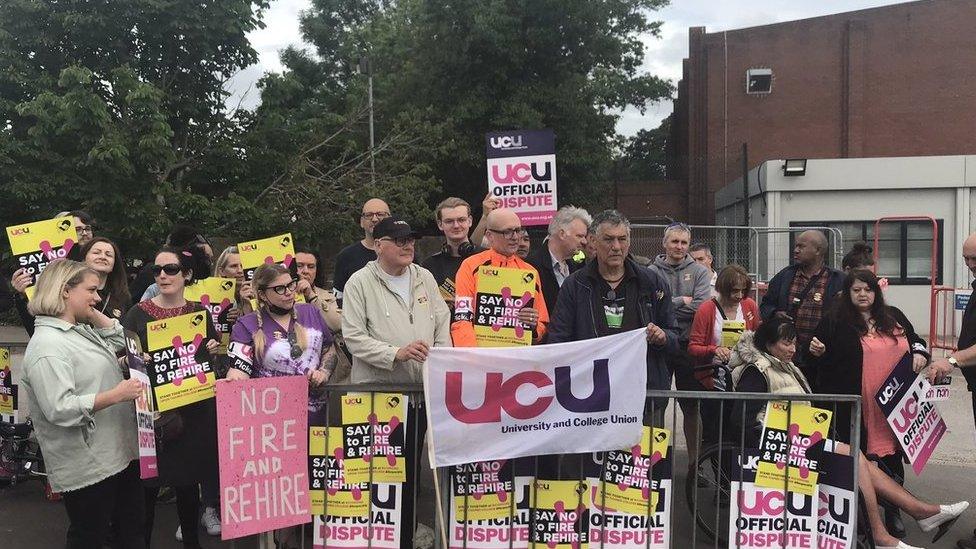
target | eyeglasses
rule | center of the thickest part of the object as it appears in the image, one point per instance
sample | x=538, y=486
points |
x=172, y=269
x=401, y=242
x=282, y=289
x=85, y=229
x=375, y=215
x=509, y=233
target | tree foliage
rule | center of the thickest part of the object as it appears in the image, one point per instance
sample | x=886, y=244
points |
x=118, y=108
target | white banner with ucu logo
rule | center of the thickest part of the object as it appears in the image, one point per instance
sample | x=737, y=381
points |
x=568, y=398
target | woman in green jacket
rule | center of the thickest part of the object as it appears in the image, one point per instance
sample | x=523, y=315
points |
x=82, y=408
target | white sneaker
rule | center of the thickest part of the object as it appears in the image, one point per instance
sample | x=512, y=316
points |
x=423, y=538
x=210, y=521
x=179, y=533
x=946, y=513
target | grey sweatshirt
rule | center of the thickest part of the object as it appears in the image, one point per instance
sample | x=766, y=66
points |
x=690, y=279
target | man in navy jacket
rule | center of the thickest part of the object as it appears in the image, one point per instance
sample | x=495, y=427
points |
x=612, y=294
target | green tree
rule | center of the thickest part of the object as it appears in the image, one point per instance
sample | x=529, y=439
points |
x=644, y=156
x=448, y=72
x=118, y=108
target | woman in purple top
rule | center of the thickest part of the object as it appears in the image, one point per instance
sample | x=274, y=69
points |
x=283, y=338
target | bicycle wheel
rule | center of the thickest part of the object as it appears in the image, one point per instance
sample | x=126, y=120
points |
x=709, y=494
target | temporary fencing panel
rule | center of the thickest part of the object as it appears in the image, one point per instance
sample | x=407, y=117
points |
x=620, y=498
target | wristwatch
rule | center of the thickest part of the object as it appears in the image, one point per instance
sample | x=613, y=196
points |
x=952, y=360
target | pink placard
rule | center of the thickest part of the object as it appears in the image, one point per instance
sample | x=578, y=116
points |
x=262, y=437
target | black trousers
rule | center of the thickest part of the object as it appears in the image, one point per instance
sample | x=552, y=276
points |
x=187, y=509
x=92, y=509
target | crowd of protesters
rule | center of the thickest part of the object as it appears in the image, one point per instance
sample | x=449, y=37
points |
x=816, y=330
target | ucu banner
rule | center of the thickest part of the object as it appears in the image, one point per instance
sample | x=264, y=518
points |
x=501, y=403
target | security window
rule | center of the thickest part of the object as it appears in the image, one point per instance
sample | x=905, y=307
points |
x=904, y=247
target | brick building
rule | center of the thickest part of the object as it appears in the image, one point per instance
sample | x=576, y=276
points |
x=897, y=80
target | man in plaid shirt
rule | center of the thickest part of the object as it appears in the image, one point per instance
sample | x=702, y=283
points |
x=804, y=290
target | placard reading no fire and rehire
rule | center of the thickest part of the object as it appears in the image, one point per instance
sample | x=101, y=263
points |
x=522, y=173
x=917, y=424
x=217, y=295
x=262, y=442
x=626, y=474
x=504, y=522
x=561, y=515
x=502, y=292
x=374, y=427
x=35, y=245
x=792, y=442
x=180, y=371
x=329, y=491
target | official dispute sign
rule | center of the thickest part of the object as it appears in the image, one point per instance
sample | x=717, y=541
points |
x=8, y=390
x=262, y=438
x=522, y=173
x=148, y=466
x=36, y=245
x=917, y=424
x=565, y=398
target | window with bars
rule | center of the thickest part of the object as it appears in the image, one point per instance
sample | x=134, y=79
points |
x=904, y=247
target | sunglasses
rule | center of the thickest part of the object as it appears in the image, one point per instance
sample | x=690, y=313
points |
x=282, y=289
x=172, y=269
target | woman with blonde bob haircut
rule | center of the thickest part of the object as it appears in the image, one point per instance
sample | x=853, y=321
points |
x=82, y=408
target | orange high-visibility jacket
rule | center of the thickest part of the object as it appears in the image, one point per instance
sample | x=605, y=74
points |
x=466, y=286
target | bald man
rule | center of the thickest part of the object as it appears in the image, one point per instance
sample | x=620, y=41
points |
x=355, y=256
x=803, y=290
x=504, y=233
x=965, y=357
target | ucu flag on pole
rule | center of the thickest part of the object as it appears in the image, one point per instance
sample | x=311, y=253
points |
x=568, y=398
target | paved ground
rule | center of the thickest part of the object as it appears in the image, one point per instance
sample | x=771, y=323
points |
x=28, y=521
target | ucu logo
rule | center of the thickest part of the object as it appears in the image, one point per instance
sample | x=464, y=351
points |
x=838, y=507
x=505, y=142
x=889, y=391
x=501, y=394
x=771, y=502
x=521, y=172
x=17, y=231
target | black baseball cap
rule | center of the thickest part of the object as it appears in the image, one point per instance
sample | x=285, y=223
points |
x=393, y=227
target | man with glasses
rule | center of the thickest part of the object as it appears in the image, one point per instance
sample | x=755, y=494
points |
x=613, y=294
x=356, y=255
x=504, y=233
x=392, y=315
x=453, y=216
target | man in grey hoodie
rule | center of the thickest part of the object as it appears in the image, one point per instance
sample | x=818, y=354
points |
x=690, y=285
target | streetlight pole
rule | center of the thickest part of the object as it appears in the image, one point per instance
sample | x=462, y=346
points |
x=364, y=68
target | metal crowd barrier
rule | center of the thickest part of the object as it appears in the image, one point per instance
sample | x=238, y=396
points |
x=700, y=507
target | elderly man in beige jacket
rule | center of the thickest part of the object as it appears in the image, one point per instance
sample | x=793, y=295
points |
x=393, y=313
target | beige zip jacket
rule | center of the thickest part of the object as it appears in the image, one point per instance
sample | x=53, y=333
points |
x=376, y=323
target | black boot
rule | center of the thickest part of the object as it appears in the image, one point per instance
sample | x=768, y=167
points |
x=893, y=522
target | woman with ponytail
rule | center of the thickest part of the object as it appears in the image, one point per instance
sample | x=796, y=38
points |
x=283, y=338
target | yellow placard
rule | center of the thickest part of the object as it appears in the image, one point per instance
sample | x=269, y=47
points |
x=731, y=332
x=561, y=514
x=627, y=484
x=35, y=245
x=328, y=491
x=483, y=490
x=274, y=249
x=217, y=295
x=501, y=293
x=797, y=444
x=179, y=369
x=374, y=435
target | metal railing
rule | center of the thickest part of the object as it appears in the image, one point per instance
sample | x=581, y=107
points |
x=706, y=486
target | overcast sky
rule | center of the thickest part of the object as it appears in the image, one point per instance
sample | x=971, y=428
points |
x=663, y=56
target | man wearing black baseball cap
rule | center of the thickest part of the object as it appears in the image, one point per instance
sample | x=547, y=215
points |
x=392, y=315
